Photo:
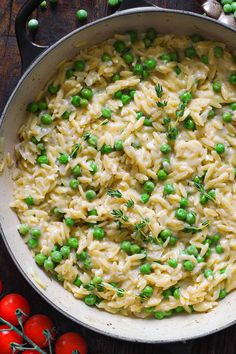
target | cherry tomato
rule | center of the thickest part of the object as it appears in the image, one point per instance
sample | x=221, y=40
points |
x=31, y=351
x=6, y=338
x=69, y=342
x=34, y=328
x=8, y=306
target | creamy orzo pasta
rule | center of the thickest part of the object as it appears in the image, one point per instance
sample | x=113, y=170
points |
x=125, y=182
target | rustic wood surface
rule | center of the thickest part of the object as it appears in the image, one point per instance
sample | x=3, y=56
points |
x=54, y=23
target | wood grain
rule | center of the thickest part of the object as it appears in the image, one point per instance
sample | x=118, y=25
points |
x=54, y=23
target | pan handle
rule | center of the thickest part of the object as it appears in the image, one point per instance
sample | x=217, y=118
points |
x=28, y=50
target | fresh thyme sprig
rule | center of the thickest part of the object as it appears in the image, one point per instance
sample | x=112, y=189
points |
x=74, y=151
x=130, y=203
x=159, y=90
x=161, y=104
x=139, y=226
x=119, y=214
x=195, y=229
x=114, y=193
x=202, y=190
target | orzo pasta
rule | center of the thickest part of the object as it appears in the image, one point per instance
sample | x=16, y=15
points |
x=125, y=182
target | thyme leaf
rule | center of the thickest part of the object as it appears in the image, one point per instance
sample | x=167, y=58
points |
x=74, y=151
x=162, y=104
x=195, y=229
x=159, y=90
x=114, y=193
x=130, y=203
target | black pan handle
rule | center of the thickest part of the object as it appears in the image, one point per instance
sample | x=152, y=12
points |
x=130, y=4
x=28, y=50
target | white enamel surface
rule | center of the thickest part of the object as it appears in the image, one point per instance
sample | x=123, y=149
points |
x=173, y=329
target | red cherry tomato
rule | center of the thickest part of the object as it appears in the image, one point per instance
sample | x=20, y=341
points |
x=34, y=328
x=6, y=338
x=8, y=306
x=71, y=341
x=31, y=352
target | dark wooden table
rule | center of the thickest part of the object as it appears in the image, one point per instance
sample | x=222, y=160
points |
x=54, y=23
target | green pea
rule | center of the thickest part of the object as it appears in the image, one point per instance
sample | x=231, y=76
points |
x=93, y=168
x=208, y=253
x=35, y=232
x=49, y=264
x=33, y=24
x=165, y=148
x=93, y=212
x=57, y=212
x=125, y=246
x=216, y=86
x=208, y=273
x=150, y=64
x=76, y=171
x=73, y=242
x=181, y=214
x=79, y=65
x=69, y=222
x=173, y=263
x=232, y=79
x=147, y=122
x=128, y=57
x=138, y=69
x=98, y=233
x=146, y=268
x=81, y=15
x=219, y=249
x=203, y=199
x=139, y=115
x=190, y=218
x=151, y=34
x=70, y=73
x=92, y=141
x=125, y=99
x=212, y=193
x=186, y=97
x=84, y=102
x=90, y=299
x=64, y=159
x=40, y=259
x=118, y=94
x=169, y=188
x=83, y=256
x=227, y=8
x=96, y=280
x=106, y=149
x=106, y=113
x=119, y=145
x=189, y=124
x=218, y=52
x=196, y=38
x=32, y=243
x=176, y=293
x=119, y=46
x=133, y=35
x=233, y=6
x=43, y=5
x=148, y=187
x=159, y=315
x=200, y=259
x=172, y=241
x=144, y=198
x=66, y=115
x=41, y=148
x=75, y=100
x=166, y=57
x=172, y=133
x=106, y=57
x=88, y=264
x=227, y=117
x=74, y=184
x=65, y=251
x=179, y=309
x=87, y=93
x=183, y=203
x=23, y=229
x=162, y=175
x=29, y=200
x=53, y=89
x=220, y=148
x=211, y=114
x=166, y=233
x=233, y=106
x=147, y=291
x=205, y=59
x=222, y=294
x=115, y=77
x=77, y=282
x=190, y=52
x=167, y=293
x=33, y=107
x=90, y=195
x=42, y=160
x=56, y=256
x=192, y=250
x=189, y=265
x=134, y=249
